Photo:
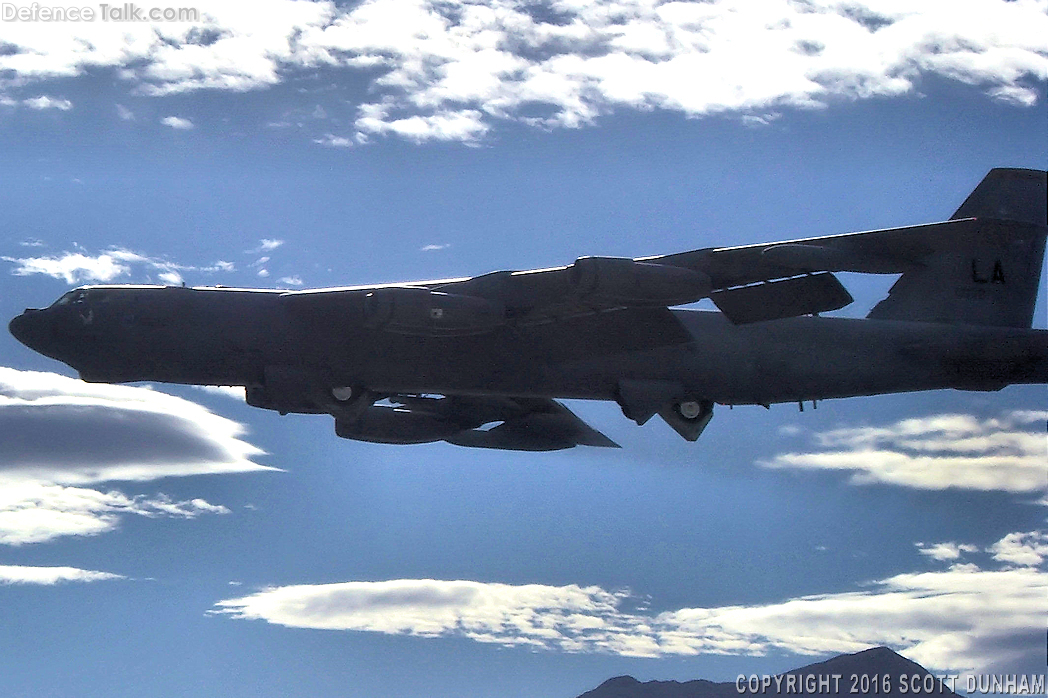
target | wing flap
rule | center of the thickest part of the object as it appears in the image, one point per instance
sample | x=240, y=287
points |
x=800, y=295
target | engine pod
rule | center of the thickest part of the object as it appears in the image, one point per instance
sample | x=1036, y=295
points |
x=419, y=311
x=617, y=280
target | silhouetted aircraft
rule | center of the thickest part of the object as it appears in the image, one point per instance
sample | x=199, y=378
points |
x=481, y=361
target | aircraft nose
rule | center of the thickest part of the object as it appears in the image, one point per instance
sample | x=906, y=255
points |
x=29, y=328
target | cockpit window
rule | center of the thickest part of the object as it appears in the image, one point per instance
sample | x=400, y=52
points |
x=77, y=296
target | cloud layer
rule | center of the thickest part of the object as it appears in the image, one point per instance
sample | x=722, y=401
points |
x=58, y=434
x=961, y=618
x=1006, y=453
x=449, y=70
x=22, y=574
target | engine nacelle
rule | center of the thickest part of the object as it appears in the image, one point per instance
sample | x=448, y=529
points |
x=419, y=311
x=625, y=281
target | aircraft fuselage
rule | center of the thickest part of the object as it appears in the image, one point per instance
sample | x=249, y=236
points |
x=215, y=336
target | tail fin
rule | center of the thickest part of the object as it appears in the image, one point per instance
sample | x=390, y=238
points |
x=988, y=274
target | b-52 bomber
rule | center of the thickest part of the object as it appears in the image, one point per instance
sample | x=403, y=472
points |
x=482, y=361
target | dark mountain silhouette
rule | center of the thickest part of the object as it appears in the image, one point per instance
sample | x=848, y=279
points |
x=857, y=674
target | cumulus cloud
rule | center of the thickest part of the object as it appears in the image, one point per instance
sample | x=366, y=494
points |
x=450, y=70
x=58, y=435
x=961, y=618
x=266, y=245
x=124, y=113
x=1006, y=453
x=171, y=278
x=177, y=123
x=946, y=551
x=71, y=266
x=77, y=267
x=22, y=574
x=295, y=280
x=44, y=102
x=1021, y=549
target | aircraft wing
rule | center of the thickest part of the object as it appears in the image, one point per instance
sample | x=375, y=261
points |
x=515, y=423
x=751, y=283
x=889, y=251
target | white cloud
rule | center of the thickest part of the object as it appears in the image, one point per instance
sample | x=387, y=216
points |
x=464, y=125
x=58, y=435
x=73, y=267
x=171, y=278
x=44, y=102
x=433, y=248
x=957, y=619
x=124, y=113
x=333, y=141
x=756, y=121
x=938, y=452
x=177, y=123
x=233, y=391
x=449, y=70
x=36, y=513
x=532, y=614
x=22, y=574
x=295, y=280
x=263, y=273
x=1021, y=549
x=946, y=551
x=76, y=267
x=264, y=245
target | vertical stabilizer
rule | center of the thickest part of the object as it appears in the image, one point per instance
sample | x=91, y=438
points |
x=1010, y=195
x=989, y=272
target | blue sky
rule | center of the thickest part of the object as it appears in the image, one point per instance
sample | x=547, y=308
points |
x=175, y=541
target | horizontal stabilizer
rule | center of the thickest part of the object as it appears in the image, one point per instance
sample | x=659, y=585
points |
x=800, y=295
